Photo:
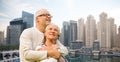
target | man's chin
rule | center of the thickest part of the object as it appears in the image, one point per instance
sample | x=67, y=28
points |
x=47, y=24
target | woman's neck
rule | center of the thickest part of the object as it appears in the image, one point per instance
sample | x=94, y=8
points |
x=49, y=42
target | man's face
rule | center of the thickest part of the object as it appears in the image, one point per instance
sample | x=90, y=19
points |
x=44, y=18
x=52, y=32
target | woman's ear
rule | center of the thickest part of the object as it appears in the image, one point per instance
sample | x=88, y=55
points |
x=58, y=35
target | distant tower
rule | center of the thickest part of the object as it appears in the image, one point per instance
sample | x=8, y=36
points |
x=90, y=31
x=14, y=31
x=106, y=32
x=81, y=30
x=28, y=19
x=102, y=30
x=1, y=37
x=113, y=29
x=73, y=32
x=118, y=39
x=17, y=26
x=66, y=33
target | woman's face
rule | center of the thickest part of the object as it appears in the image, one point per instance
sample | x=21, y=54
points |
x=52, y=32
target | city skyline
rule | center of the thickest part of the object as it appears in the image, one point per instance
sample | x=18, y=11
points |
x=104, y=33
x=63, y=10
x=73, y=32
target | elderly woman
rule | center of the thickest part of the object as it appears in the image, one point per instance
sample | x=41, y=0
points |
x=51, y=36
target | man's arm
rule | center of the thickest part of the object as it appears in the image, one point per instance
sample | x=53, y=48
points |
x=26, y=50
x=51, y=51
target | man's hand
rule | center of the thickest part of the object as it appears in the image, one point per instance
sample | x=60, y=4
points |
x=53, y=52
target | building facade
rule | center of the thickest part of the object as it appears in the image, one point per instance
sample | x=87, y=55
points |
x=90, y=31
x=81, y=30
x=1, y=37
x=17, y=26
x=73, y=32
x=66, y=33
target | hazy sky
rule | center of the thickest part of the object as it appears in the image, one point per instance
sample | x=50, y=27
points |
x=61, y=10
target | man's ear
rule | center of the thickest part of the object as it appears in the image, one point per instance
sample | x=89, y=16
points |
x=36, y=19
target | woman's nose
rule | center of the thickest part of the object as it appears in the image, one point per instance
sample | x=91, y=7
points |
x=52, y=30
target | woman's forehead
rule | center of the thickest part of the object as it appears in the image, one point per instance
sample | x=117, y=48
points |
x=52, y=26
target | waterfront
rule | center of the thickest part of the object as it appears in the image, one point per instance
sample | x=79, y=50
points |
x=84, y=58
x=90, y=58
x=13, y=56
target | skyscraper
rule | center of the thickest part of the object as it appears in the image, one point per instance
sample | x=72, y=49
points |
x=17, y=26
x=90, y=31
x=118, y=39
x=102, y=30
x=66, y=33
x=106, y=32
x=81, y=30
x=73, y=32
x=28, y=19
x=113, y=33
x=14, y=31
x=1, y=37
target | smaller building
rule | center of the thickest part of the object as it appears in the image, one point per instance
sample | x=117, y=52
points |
x=77, y=44
x=96, y=45
x=1, y=37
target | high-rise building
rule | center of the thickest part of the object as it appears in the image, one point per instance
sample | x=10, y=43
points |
x=102, y=30
x=61, y=38
x=14, y=31
x=81, y=30
x=113, y=33
x=118, y=39
x=1, y=37
x=106, y=32
x=17, y=26
x=90, y=31
x=28, y=19
x=66, y=33
x=108, y=35
x=73, y=32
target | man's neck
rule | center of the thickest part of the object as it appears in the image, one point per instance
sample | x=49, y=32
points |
x=40, y=28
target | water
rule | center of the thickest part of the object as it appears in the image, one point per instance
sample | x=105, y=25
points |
x=89, y=58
